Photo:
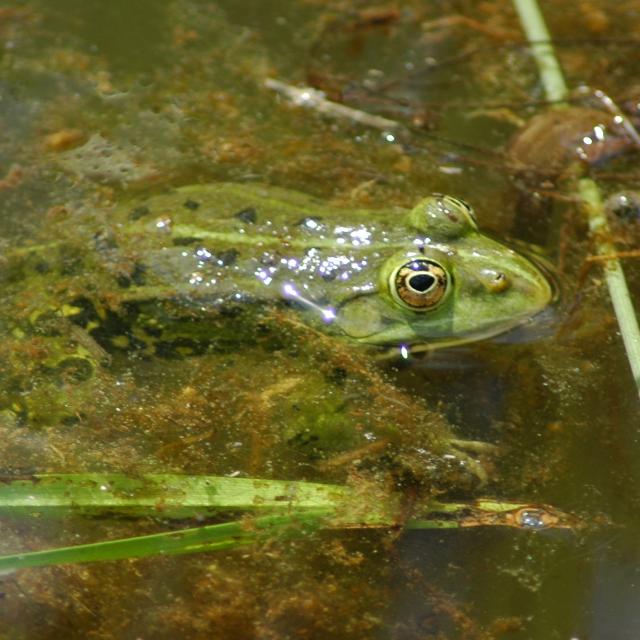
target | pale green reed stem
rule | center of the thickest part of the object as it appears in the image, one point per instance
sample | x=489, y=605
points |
x=555, y=88
x=614, y=275
x=534, y=26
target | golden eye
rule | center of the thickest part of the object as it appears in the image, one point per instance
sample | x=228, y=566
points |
x=419, y=284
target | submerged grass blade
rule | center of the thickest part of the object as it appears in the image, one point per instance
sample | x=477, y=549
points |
x=163, y=495
x=232, y=535
x=534, y=26
x=174, y=496
x=215, y=537
x=327, y=506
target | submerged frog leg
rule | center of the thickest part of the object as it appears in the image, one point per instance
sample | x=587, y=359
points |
x=259, y=409
x=470, y=464
x=469, y=450
x=416, y=446
x=51, y=369
x=373, y=449
x=475, y=446
x=47, y=388
x=343, y=352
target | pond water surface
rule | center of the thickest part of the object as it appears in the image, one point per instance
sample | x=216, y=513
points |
x=110, y=102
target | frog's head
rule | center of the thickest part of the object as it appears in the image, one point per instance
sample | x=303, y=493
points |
x=452, y=284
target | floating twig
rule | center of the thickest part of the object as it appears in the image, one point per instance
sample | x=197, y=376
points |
x=316, y=100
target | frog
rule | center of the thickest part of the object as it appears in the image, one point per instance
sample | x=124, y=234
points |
x=161, y=274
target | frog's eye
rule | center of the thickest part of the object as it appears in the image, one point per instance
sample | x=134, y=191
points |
x=419, y=284
x=464, y=206
x=444, y=216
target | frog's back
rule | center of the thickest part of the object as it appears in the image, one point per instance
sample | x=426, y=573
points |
x=250, y=209
x=250, y=241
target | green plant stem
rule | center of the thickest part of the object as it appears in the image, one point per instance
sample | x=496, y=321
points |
x=555, y=87
x=620, y=298
x=534, y=26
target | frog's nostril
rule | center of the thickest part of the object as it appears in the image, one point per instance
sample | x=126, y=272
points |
x=495, y=281
x=500, y=283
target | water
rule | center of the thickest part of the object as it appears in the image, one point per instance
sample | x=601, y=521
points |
x=167, y=94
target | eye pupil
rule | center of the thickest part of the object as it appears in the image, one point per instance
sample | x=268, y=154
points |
x=421, y=282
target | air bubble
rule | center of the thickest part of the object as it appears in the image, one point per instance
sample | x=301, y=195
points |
x=532, y=519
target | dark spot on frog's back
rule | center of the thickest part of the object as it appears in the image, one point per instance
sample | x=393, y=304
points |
x=329, y=276
x=190, y=204
x=228, y=257
x=248, y=215
x=224, y=258
x=136, y=276
x=85, y=311
x=184, y=241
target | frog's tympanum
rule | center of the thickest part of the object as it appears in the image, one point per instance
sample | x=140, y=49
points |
x=127, y=277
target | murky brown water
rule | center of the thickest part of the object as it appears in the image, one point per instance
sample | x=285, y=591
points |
x=102, y=101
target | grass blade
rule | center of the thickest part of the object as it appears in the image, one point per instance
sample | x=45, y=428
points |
x=534, y=26
x=164, y=495
x=307, y=507
x=215, y=537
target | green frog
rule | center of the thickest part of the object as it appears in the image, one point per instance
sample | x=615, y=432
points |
x=152, y=274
